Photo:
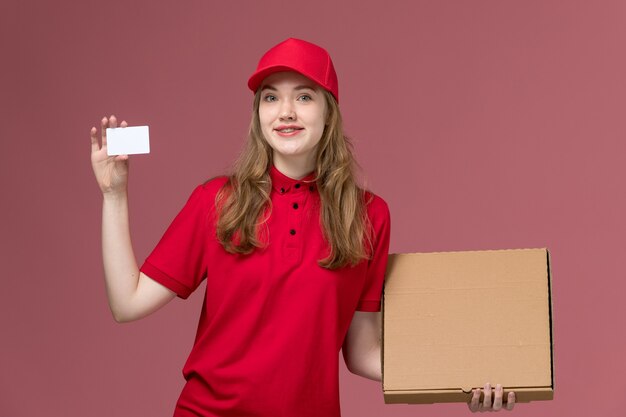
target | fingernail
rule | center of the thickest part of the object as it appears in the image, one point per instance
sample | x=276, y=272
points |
x=499, y=387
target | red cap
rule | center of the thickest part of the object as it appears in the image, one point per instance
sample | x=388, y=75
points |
x=304, y=57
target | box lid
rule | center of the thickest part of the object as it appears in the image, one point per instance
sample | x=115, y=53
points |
x=453, y=321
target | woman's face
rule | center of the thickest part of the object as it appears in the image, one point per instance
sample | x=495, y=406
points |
x=292, y=113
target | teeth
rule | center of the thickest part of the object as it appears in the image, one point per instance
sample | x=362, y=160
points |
x=287, y=130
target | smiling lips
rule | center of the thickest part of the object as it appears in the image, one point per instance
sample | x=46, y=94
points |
x=288, y=130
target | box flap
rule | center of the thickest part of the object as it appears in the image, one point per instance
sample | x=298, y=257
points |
x=455, y=320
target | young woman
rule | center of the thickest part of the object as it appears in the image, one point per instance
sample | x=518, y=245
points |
x=294, y=254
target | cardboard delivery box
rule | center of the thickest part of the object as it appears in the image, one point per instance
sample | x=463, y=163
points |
x=453, y=321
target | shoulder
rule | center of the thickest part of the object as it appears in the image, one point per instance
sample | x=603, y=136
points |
x=377, y=207
x=211, y=186
x=203, y=195
x=379, y=221
x=378, y=215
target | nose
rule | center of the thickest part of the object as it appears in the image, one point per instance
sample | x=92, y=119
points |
x=287, y=111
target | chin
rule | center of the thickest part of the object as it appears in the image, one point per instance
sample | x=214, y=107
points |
x=288, y=154
x=288, y=150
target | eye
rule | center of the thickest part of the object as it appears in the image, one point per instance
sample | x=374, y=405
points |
x=269, y=97
x=305, y=97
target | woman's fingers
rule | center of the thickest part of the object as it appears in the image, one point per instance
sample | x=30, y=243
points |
x=497, y=399
x=110, y=122
x=123, y=124
x=486, y=405
x=487, y=396
x=474, y=404
x=104, y=123
x=510, y=402
x=95, y=147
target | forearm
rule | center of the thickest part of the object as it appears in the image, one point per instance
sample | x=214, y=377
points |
x=120, y=266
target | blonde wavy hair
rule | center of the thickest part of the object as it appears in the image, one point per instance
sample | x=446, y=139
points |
x=243, y=204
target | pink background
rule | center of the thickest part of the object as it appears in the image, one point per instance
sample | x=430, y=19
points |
x=484, y=125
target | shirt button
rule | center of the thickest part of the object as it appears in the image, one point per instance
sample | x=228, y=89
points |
x=292, y=231
x=311, y=188
x=295, y=205
x=282, y=190
x=297, y=185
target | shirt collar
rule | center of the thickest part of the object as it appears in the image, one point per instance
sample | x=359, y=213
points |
x=283, y=184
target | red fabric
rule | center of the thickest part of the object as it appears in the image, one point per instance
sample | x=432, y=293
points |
x=273, y=322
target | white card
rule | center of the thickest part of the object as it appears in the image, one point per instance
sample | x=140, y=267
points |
x=128, y=140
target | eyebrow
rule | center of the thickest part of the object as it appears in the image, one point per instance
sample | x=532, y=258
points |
x=299, y=87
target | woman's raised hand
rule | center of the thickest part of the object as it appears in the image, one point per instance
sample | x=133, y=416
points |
x=111, y=171
x=487, y=404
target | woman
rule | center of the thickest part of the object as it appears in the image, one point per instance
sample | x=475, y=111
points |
x=293, y=251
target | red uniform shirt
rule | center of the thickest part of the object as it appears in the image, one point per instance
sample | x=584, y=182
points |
x=273, y=322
